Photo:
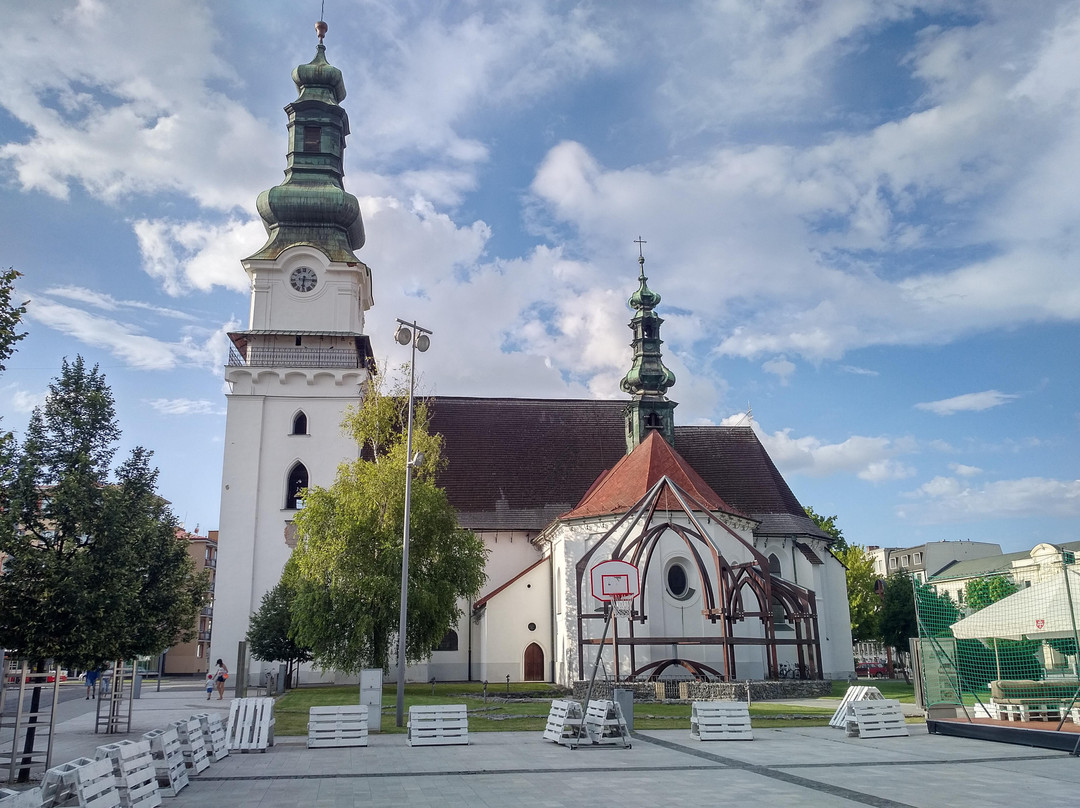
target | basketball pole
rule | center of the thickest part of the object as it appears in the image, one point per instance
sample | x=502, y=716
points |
x=599, y=652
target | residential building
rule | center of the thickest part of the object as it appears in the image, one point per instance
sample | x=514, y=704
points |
x=924, y=560
x=191, y=658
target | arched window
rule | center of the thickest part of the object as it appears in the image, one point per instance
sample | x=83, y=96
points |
x=774, y=565
x=298, y=481
x=299, y=424
x=449, y=642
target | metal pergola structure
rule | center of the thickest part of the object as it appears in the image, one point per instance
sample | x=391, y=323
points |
x=732, y=592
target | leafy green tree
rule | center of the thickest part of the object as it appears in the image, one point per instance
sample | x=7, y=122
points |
x=828, y=524
x=898, y=621
x=349, y=541
x=270, y=633
x=981, y=592
x=10, y=316
x=94, y=570
x=864, y=601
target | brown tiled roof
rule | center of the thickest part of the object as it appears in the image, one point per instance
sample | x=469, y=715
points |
x=518, y=464
x=636, y=473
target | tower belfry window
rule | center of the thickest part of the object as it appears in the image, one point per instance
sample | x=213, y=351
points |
x=299, y=424
x=312, y=138
x=298, y=481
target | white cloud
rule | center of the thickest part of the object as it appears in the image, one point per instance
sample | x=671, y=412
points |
x=100, y=300
x=947, y=499
x=857, y=371
x=198, y=255
x=23, y=401
x=965, y=471
x=126, y=341
x=780, y=367
x=185, y=406
x=870, y=459
x=968, y=402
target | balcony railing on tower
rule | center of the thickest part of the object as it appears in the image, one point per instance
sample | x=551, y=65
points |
x=317, y=349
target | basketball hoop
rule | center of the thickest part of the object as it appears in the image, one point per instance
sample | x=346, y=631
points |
x=614, y=580
x=622, y=607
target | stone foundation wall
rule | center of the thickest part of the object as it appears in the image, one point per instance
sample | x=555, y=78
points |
x=713, y=691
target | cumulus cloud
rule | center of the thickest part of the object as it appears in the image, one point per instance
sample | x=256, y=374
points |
x=964, y=471
x=968, y=402
x=868, y=458
x=948, y=499
x=185, y=406
x=780, y=367
x=196, y=255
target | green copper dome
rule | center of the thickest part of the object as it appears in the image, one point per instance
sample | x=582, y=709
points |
x=311, y=206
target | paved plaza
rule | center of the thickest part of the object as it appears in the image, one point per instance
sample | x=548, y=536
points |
x=816, y=766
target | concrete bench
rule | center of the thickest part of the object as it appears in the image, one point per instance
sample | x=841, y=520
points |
x=251, y=724
x=343, y=725
x=438, y=725
x=720, y=721
x=169, y=766
x=133, y=768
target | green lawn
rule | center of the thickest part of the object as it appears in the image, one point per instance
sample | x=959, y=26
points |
x=291, y=710
x=890, y=688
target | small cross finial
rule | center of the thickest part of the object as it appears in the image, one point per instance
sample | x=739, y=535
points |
x=640, y=241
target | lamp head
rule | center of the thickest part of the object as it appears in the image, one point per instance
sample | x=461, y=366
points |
x=422, y=343
x=403, y=335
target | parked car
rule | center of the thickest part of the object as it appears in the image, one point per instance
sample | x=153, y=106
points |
x=871, y=669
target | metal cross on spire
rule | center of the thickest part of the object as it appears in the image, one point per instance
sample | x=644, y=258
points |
x=639, y=241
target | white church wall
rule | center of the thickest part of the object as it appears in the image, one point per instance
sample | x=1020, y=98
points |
x=513, y=619
x=509, y=552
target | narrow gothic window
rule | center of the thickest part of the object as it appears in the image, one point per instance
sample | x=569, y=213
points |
x=299, y=424
x=298, y=481
x=774, y=564
x=312, y=138
x=652, y=421
x=449, y=642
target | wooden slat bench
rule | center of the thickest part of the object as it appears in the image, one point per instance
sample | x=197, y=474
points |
x=882, y=718
x=720, y=721
x=133, y=768
x=91, y=783
x=343, y=725
x=438, y=725
x=1030, y=700
x=191, y=742
x=605, y=723
x=169, y=766
x=566, y=723
x=30, y=798
x=251, y=724
x=213, y=728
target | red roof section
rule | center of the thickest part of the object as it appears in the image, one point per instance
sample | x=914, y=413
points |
x=618, y=490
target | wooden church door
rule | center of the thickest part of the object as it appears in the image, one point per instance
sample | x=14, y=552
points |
x=534, y=663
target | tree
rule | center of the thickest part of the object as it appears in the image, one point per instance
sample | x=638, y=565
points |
x=981, y=592
x=94, y=571
x=828, y=524
x=10, y=316
x=898, y=621
x=864, y=601
x=349, y=542
x=270, y=634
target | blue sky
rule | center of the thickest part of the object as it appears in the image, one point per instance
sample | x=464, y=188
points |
x=861, y=217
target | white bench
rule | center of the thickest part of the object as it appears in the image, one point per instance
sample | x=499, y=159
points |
x=844, y=712
x=882, y=718
x=9, y=798
x=169, y=766
x=213, y=728
x=438, y=725
x=720, y=721
x=566, y=723
x=251, y=724
x=133, y=768
x=90, y=782
x=343, y=725
x=192, y=743
x=605, y=723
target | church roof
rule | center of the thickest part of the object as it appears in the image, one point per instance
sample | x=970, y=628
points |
x=518, y=464
x=636, y=473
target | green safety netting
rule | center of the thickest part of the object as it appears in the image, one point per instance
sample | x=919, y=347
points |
x=1002, y=649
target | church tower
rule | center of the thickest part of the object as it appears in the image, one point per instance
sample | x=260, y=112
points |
x=303, y=358
x=647, y=380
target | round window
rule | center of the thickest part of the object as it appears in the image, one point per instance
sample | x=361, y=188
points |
x=678, y=582
x=532, y=626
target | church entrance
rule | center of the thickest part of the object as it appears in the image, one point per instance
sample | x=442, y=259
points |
x=534, y=663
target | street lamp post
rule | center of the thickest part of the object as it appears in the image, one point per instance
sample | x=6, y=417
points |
x=406, y=333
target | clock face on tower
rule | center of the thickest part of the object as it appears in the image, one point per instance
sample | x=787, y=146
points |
x=303, y=279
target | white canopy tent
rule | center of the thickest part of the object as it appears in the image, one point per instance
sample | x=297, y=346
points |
x=1046, y=610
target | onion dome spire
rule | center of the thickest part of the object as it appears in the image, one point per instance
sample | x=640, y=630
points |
x=648, y=379
x=312, y=206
